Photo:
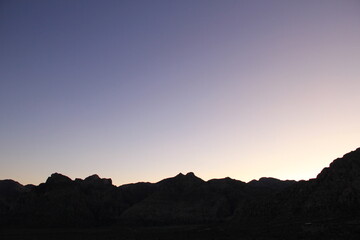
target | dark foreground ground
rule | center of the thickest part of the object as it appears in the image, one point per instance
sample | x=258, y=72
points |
x=116, y=233
x=328, y=230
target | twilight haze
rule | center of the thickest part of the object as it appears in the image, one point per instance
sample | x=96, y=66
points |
x=143, y=90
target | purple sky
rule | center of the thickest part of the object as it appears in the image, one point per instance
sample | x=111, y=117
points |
x=143, y=90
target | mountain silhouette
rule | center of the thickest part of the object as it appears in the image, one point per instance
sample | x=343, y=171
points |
x=265, y=207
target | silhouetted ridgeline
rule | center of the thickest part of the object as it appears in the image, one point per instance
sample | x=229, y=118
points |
x=329, y=204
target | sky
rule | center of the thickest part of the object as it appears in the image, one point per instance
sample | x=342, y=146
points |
x=144, y=90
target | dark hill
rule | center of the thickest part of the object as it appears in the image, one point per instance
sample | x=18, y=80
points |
x=323, y=208
x=271, y=183
x=10, y=191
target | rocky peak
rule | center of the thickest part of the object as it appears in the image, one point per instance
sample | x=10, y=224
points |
x=92, y=178
x=271, y=183
x=225, y=181
x=10, y=188
x=342, y=169
x=182, y=181
x=189, y=177
x=180, y=175
x=96, y=180
x=57, y=178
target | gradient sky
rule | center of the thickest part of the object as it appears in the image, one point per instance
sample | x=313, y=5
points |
x=143, y=90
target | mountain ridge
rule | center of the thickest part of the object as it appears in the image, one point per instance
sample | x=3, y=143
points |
x=187, y=199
